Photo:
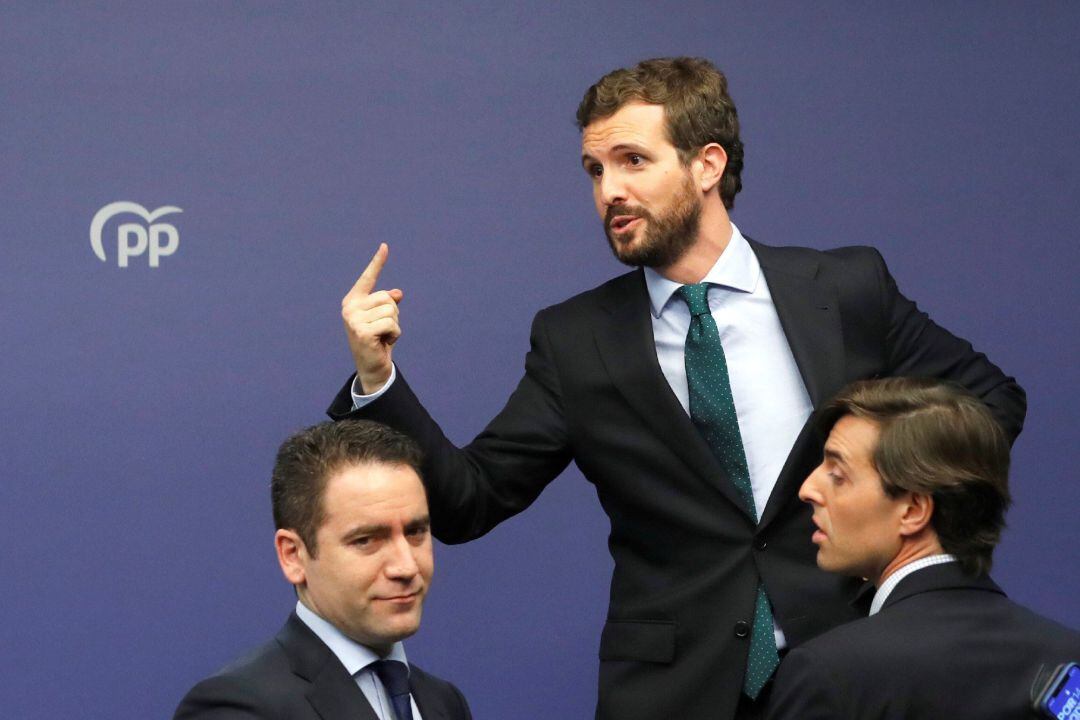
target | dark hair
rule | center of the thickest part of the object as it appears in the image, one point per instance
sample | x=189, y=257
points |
x=696, y=103
x=307, y=460
x=940, y=440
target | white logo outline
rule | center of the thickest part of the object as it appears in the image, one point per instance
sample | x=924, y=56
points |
x=106, y=213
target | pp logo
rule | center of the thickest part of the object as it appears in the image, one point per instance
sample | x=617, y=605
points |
x=134, y=239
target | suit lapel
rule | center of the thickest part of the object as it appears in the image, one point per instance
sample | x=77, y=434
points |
x=628, y=351
x=335, y=696
x=333, y=693
x=809, y=312
x=427, y=699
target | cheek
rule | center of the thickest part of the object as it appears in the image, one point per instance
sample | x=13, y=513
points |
x=846, y=525
x=425, y=560
x=357, y=576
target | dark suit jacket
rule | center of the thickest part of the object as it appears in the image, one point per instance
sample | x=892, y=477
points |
x=296, y=676
x=945, y=645
x=687, y=554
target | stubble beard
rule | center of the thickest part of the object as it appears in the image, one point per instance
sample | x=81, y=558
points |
x=667, y=237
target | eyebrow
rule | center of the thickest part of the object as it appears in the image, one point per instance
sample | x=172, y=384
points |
x=621, y=147
x=419, y=523
x=360, y=530
x=835, y=456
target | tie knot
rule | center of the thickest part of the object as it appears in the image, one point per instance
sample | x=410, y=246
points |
x=394, y=676
x=696, y=298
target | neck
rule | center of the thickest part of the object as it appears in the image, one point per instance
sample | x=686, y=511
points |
x=714, y=234
x=911, y=550
x=382, y=649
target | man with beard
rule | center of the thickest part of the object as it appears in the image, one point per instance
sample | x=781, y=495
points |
x=682, y=390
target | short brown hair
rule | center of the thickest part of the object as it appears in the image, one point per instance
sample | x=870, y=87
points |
x=306, y=461
x=696, y=104
x=940, y=440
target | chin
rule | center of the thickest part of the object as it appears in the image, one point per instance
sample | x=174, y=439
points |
x=402, y=628
x=824, y=563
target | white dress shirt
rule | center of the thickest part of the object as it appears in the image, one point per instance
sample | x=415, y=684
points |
x=893, y=580
x=771, y=402
x=357, y=660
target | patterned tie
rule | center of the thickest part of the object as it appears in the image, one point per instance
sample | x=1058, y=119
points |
x=712, y=410
x=395, y=678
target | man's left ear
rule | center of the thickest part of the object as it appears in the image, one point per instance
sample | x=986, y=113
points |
x=918, y=510
x=711, y=161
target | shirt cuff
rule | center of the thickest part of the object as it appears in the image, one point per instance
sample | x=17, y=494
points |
x=359, y=399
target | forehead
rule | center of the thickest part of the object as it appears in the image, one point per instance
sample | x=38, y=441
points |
x=373, y=492
x=854, y=438
x=633, y=123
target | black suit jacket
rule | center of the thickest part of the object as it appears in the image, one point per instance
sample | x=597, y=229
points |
x=945, y=645
x=296, y=676
x=687, y=554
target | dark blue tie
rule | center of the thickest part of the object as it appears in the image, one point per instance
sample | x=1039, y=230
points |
x=712, y=409
x=395, y=678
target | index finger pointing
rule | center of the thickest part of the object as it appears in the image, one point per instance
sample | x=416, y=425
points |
x=366, y=282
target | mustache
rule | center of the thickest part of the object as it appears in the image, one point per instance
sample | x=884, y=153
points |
x=615, y=211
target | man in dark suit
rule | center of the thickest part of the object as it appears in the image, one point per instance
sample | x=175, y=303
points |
x=682, y=390
x=911, y=495
x=353, y=538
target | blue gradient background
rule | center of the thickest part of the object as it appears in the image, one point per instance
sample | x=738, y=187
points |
x=143, y=406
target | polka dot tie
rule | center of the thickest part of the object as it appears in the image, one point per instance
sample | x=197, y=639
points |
x=712, y=410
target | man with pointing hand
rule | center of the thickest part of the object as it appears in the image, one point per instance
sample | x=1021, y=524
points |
x=683, y=391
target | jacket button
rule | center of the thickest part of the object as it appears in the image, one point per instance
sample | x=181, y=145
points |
x=742, y=629
x=760, y=543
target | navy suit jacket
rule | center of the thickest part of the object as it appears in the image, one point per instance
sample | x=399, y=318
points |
x=296, y=676
x=688, y=556
x=945, y=645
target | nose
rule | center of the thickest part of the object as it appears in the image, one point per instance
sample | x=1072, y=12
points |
x=612, y=189
x=400, y=562
x=808, y=492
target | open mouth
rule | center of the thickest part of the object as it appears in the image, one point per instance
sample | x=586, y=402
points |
x=624, y=223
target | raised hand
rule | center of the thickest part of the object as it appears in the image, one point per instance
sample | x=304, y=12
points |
x=371, y=324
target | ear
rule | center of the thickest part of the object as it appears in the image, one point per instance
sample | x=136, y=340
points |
x=709, y=164
x=918, y=509
x=292, y=556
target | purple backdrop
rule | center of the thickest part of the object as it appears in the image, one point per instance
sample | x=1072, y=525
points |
x=144, y=403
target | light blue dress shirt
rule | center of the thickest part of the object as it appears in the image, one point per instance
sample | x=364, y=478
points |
x=357, y=660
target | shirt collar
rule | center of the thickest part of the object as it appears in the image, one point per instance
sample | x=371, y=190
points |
x=737, y=268
x=354, y=656
x=893, y=580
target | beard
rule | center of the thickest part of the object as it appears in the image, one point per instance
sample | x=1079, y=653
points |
x=666, y=237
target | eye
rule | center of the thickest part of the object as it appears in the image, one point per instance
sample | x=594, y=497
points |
x=595, y=170
x=362, y=541
x=636, y=160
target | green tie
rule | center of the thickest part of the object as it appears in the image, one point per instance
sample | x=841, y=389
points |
x=712, y=410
